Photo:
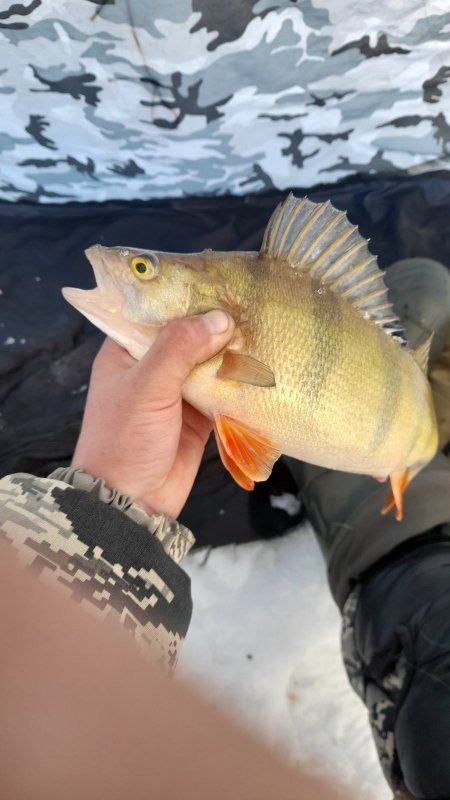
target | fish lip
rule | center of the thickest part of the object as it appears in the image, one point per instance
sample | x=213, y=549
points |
x=82, y=299
x=106, y=297
x=104, y=277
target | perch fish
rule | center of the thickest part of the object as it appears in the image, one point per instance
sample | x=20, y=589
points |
x=317, y=368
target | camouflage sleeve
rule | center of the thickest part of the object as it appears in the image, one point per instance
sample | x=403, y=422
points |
x=105, y=553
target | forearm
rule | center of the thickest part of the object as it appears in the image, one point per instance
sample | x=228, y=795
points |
x=84, y=716
x=104, y=553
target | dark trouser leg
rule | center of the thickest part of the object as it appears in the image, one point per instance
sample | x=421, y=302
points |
x=392, y=582
x=345, y=511
x=396, y=646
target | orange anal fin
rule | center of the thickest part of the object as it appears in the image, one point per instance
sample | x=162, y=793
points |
x=240, y=478
x=252, y=453
x=399, y=482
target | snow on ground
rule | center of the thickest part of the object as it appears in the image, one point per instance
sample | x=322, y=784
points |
x=264, y=639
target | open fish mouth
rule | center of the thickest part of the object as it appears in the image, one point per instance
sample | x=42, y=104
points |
x=103, y=305
x=106, y=298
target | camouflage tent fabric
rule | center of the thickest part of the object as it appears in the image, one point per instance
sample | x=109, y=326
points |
x=107, y=99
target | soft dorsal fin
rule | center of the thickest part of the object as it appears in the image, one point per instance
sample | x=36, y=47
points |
x=320, y=241
x=422, y=354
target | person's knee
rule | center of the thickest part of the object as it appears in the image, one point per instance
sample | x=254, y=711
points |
x=422, y=729
x=402, y=641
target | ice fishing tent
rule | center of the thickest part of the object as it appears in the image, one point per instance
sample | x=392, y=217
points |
x=178, y=125
x=175, y=125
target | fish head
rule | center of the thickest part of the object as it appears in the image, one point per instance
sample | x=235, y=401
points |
x=137, y=292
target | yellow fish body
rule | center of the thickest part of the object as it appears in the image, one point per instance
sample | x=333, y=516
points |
x=317, y=368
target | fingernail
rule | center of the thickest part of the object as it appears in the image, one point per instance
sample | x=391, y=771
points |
x=217, y=321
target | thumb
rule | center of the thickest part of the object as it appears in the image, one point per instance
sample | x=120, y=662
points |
x=180, y=346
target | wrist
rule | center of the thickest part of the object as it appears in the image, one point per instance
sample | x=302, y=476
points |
x=97, y=486
x=175, y=538
x=101, y=469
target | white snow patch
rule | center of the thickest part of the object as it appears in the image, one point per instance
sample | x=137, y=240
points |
x=286, y=502
x=265, y=641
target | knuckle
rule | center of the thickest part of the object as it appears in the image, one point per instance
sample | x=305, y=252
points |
x=175, y=335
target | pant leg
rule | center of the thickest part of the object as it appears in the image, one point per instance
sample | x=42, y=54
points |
x=345, y=512
x=396, y=648
x=392, y=583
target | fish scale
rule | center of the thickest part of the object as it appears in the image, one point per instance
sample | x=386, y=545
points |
x=329, y=395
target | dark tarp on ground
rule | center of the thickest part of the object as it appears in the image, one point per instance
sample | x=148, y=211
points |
x=47, y=347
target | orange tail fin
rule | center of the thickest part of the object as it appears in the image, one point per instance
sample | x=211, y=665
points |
x=399, y=482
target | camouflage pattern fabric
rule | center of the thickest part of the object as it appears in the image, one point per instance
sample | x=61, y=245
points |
x=381, y=700
x=101, y=557
x=107, y=99
x=175, y=538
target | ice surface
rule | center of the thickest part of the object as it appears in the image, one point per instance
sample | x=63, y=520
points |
x=265, y=640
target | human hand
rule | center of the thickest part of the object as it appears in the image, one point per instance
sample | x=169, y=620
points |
x=138, y=433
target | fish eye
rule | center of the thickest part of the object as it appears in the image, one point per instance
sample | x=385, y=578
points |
x=143, y=268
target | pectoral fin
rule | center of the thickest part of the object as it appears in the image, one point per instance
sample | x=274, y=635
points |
x=399, y=482
x=243, y=368
x=245, y=453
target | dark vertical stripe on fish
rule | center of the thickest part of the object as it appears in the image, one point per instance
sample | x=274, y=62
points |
x=326, y=340
x=431, y=434
x=420, y=421
x=390, y=400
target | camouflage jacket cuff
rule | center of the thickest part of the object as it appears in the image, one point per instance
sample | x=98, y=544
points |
x=174, y=537
x=99, y=556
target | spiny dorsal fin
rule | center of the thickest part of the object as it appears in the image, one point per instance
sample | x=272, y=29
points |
x=320, y=241
x=422, y=354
